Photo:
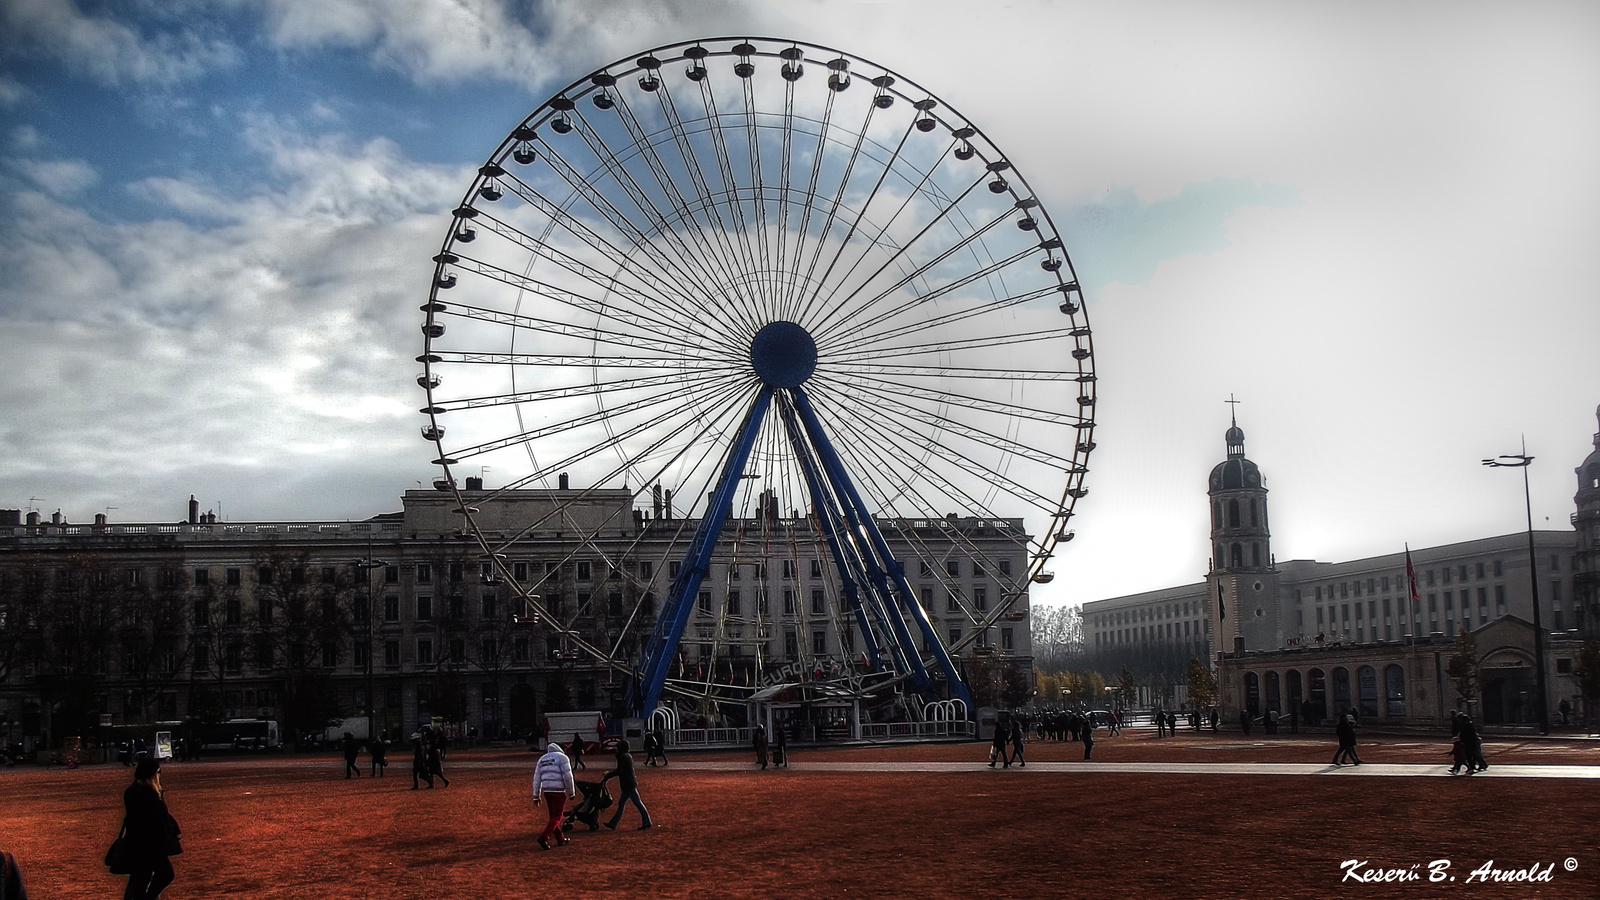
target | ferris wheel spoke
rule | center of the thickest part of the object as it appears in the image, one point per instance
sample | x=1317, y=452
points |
x=645, y=248
x=667, y=381
x=935, y=456
x=954, y=346
x=900, y=249
x=660, y=222
x=719, y=244
x=987, y=405
x=903, y=319
x=855, y=222
x=958, y=373
x=835, y=206
x=943, y=321
x=794, y=298
x=648, y=293
x=954, y=426
x=730, y=183
x=562, y=329
x=654, y=328
x=666, y=281
x=711, y=254
x=953, y=286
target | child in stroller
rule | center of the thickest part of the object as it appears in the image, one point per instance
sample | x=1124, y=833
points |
x=593, y=798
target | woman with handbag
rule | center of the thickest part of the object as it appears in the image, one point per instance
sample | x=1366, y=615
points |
x=150, y=834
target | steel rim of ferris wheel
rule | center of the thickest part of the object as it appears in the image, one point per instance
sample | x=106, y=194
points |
x=764, y=274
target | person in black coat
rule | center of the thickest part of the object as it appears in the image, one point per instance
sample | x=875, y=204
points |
x=419, y=763
x=150, y=836
x=1088, y=737
x=1346, y=730
x=1018, y=737
x=627, y=788
x=780, y=747
x=1472, y=741
x=998, y=749
x=380, y=756
x=351, y=747
x=758, y=739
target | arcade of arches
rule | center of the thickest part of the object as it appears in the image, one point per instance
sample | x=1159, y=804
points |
x=1401, y=682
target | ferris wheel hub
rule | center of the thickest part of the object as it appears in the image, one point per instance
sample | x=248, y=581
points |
x=783, y=354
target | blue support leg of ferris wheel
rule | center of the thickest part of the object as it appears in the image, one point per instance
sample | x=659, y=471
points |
x=839, y=479
x=663, y=644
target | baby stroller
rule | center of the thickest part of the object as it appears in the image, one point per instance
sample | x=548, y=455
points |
x=593, y=798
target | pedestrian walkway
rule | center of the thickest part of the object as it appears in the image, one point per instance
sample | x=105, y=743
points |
x=1412, y=770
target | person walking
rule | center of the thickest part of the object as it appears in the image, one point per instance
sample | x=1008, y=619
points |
x=997, y=750
x=434, y=740
x=575, y=752
x=758, y=739
x=1472, y=742
x=553, y=784
x=1019, y=734
x=150, y=834
x=351, y=748
x=780, y=747
x=1346, y=730
x=380, y=756
x=1088, y=737
x=627, y=788
x=419, y=763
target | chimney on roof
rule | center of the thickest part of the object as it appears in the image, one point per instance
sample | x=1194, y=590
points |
x=474, y=483
x=33, y=517
x=561, y=481
x=194, y=510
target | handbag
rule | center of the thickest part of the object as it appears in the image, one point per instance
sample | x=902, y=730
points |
x=117, y=854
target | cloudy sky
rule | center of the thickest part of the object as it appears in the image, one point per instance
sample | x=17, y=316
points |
x=1375, y=224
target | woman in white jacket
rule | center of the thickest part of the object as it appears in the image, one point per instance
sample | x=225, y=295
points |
x=552, y=782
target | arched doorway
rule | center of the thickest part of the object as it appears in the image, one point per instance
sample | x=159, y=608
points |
x=1297, y=694
x=1394, y=690
x=1274, y=692
x=1341, y=691
x=1367, y=691
x=1252, y=694
x=1506, y=687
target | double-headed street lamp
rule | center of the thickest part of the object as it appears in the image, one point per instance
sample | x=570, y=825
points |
x=366, y=565
x=1522, y=461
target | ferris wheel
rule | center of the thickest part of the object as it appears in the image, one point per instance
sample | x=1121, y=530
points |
x=748, y=301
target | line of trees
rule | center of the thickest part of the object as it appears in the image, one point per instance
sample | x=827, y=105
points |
x=1068, y=670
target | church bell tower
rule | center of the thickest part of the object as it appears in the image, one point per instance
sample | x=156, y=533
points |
x=1243, y=579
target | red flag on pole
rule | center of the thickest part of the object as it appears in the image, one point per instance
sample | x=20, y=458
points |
x=1411, y=579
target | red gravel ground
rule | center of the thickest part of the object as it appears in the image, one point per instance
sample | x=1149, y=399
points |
x=290, y=826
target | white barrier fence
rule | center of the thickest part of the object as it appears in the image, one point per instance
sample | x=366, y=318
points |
x=708, y=738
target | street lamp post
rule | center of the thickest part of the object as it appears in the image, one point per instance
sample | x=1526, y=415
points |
x=366, y=565
x=1522, y=461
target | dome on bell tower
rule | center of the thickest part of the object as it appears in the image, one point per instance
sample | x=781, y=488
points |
x=1235, y=471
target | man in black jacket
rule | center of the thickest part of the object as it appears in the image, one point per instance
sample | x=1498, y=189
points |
x=627, y=788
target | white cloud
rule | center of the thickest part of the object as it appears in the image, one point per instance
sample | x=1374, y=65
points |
x=109, y=51
x=12, y=91
x=272, y=342
x=61, y=178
